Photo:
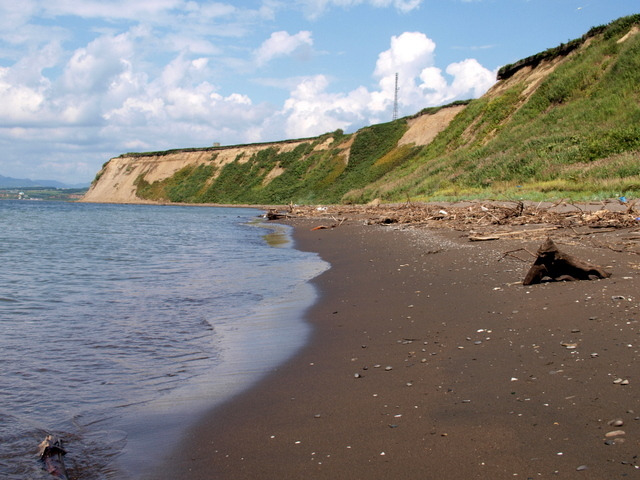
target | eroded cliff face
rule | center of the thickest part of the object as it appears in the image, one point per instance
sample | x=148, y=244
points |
x=118, y=179
x=116, y=182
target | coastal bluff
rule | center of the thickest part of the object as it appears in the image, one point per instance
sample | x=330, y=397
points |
x=121, y=177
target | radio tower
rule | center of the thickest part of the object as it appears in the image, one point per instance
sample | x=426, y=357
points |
x=395, y=100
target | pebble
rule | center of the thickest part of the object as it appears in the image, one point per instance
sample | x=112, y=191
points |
x=581, y=468
x=614, y=433
x=614, y=441
x=388, y=367
x=357, y=375
x=618, y=422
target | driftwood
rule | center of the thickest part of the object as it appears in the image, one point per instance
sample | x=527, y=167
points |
x=51, y=453
x=559, y=266
x=273, y=214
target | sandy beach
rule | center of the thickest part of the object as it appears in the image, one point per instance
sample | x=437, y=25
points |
x=430, y=360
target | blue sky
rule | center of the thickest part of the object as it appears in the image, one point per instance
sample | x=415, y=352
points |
x=82, y=81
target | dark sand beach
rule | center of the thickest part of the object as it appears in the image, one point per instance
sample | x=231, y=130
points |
x=430, y=360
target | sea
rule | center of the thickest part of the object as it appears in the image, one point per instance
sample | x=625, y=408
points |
x=120, y=325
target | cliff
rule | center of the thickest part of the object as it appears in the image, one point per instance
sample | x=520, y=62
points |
x=562, y=123
x=157, y=177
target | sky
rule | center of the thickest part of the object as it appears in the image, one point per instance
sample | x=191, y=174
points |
x=82, y=81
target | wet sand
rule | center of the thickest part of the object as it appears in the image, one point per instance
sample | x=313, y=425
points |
x=430, y=360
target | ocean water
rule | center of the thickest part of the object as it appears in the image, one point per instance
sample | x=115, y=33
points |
x=120, y=324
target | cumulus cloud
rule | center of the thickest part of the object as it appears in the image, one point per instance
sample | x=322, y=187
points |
x=281, y=44
x=311, y=109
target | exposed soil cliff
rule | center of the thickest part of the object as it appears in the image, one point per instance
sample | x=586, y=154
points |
x=117, y=181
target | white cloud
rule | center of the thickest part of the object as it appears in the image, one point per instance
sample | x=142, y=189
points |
x=315, y=8
x=470, y=80
x=281, y=44
x=18, y=103
x=91, y=69
x=113, y=9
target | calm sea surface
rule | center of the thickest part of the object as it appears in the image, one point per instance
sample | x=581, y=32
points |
x=120, y=324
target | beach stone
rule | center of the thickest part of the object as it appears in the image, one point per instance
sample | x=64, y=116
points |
x=388, y=367
x=618, y=422
x=581, y=468
x=614, y=433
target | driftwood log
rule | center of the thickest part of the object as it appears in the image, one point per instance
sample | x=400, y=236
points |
x=558, y=266
x=51, y=453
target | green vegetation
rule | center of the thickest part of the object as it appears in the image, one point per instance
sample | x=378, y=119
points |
x=42, y=193
x=303, y=174
x=577, y=135
x=574, y=134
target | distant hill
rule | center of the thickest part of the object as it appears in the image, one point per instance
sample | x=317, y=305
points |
x=564, y=123
x=9, y=182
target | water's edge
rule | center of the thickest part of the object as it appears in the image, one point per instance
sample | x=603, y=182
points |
x=163, y=428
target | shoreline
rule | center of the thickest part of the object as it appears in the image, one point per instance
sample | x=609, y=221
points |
x=482, y=380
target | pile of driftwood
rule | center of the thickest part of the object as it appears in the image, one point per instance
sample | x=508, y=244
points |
x=492, y=220
x=483, y=214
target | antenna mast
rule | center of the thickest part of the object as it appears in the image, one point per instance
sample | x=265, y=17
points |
x=395, y=100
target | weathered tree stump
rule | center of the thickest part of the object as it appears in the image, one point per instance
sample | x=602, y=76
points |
x=559, y=266
x=51, y=453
